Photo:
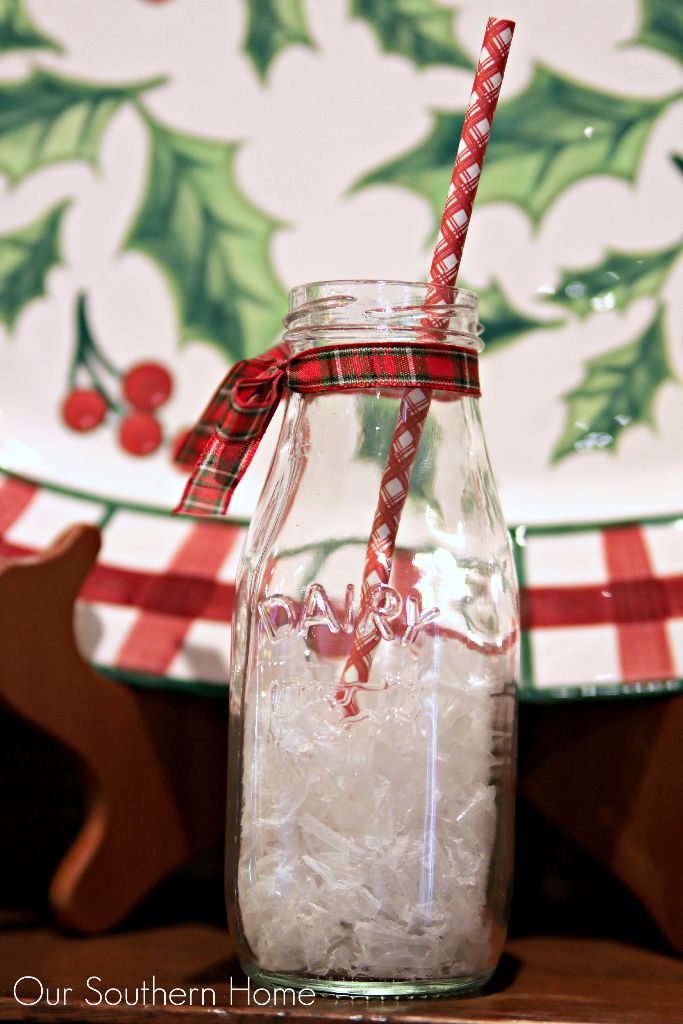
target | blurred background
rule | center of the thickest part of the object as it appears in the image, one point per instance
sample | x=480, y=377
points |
x=170, y=169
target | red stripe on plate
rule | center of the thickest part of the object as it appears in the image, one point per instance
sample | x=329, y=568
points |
x=644, y=650
x=607, y=603
x=154, y=639
x=181, y=596
x=171, y=593
x=15, y=497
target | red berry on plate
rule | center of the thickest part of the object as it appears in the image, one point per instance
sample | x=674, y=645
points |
x=84, y=409
x=140, y=433
x=147, y=386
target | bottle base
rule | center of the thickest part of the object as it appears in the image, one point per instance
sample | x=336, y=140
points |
x=369, y=988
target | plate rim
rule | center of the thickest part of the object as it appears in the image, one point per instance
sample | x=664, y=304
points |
x=565, y=693
x=530, y=529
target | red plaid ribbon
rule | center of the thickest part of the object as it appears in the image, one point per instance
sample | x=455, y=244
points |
x=225, y=439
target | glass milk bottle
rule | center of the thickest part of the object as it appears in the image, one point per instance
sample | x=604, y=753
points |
x=370, y=847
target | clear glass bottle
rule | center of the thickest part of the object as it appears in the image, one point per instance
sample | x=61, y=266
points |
x=373, y=857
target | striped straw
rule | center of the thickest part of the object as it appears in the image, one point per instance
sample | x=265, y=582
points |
x=415, y=403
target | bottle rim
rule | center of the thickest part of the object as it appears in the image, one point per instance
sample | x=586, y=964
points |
x=393, y=310
x=469, y=298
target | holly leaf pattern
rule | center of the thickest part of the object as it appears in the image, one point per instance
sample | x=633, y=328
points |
x=47, y=119
x=615, y=282
x=26, y=258
x=502, y=322
x=662, y=27
x=552, y=135
x=211, y=243
x=617, y=392
x=272, y=26
x=17, y=30
x=418, y=29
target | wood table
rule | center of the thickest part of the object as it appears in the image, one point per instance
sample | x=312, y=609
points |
x=540, y=980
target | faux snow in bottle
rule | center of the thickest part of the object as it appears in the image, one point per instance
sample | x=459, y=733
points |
x=370, y=822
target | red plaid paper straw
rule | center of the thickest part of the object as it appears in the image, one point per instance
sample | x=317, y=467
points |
x=415, y=403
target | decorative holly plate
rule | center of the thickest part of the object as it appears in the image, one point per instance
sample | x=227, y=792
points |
x=169, y=169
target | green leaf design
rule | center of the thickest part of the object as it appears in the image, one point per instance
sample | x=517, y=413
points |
x=662, y=27
x=551, y=136
x=419, y=29
x=17, y=30
x=502, y=322
x=273, y=25
x=616, y=393
x=46, y=119
x=615, y=282
x=26, y=258
x=377, y=422
x=210, y=241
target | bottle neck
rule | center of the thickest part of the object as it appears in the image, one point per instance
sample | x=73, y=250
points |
x=333, y=450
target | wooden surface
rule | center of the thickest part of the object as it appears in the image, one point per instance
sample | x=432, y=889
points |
x=153, y=764
x=541, y=980
x=608, y=775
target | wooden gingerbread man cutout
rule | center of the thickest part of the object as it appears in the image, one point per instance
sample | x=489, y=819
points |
x=153, y=763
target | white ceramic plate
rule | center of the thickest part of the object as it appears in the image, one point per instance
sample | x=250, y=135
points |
x=154, y=202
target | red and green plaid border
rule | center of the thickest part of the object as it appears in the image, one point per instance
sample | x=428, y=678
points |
x=602, y=603
x=231, y=428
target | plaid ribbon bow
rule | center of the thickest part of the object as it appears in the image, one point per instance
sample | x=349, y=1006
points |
x=226, y=437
